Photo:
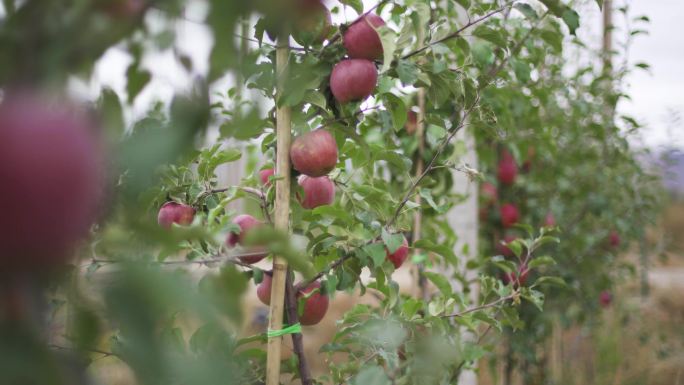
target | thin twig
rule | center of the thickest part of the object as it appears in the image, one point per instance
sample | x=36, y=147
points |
x=457, y=33
x=91, y=350
x=229, y=258
x=484, y=306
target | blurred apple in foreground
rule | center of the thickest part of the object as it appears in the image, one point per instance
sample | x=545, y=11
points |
x=53, y=175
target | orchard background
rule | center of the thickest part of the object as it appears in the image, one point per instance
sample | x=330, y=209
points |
x=376, y=192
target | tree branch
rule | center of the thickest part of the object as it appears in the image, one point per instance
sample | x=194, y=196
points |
x=511, y=296
x=457, y=32
x=297, y=338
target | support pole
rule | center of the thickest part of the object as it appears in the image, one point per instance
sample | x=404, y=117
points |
x=607, y=35
x=420, y=166
x=282, y=215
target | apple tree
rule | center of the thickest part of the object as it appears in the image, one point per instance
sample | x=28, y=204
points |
x=124, y=243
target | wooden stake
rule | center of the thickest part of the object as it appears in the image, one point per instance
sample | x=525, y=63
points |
x=282, y=216
x=607, y=35
x=420, y=166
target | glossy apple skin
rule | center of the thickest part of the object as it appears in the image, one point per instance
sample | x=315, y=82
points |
x=317, y=191
x=605, y=298
x=503, y=249
x=246, y=222
x=315, y=306
x=507, y=170
x=53, y=177
x=314, y=153
x=399, y=256
x=173, y=212
x=411, y=122
x=614, y=239
x=512, y=277
x=362, y=40
x=353, y=80
x=264, y=176
x=509, y=214
x=313, y=23
x=264, y=289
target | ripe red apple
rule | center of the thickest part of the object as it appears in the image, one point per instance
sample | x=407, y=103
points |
x=173, y=212
x=509, y=214
x=353, y=80
x=614, y=239
x=549, y=220
x=362, y=40
x=411, y=122
x=315, y=306
x=489, y=193
x=264, y=176
x=502, y=247
x=313, y=22
x=508, y=169
x=512, y=277
x=52, y=172
x=246, y=223
x=314, y=153
x=317, y=191
x=399, y=256
x=264, y=289
x=605, y=298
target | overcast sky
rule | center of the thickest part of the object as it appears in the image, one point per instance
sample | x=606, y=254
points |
x=657, y=96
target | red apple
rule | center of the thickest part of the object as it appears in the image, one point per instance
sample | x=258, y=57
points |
x=614, y=239
x=549, y=220
x=264, y=176
x=313, y=22
x=399, y=256
x=513, y=277
x=264, y=289
x=509, y=214
x=489, y=193
x=605, y=298
x=173, y=212
x=508, y=169
x=362, y=40
x=502, y=247
x=52, y=172
x=353, y=80
x=315, y=306
x=411, y=122
x=246, y=223
x=314, y=153
x=317, y=191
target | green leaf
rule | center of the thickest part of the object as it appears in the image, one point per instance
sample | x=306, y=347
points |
x=440, y=249
x=377, y=253
x=371, y=375
x=398, y=109
x=494, y=36
x=137, y=80
x=357, y=5
x=550, y=280
x=407, y=71
x=571, y=19
x=389, y=43
x=440, y=281
x=600, y=4
x=392, y=241
x=527, y=10
x=541, y=261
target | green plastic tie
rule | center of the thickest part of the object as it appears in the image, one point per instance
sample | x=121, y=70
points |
x=292, y=329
